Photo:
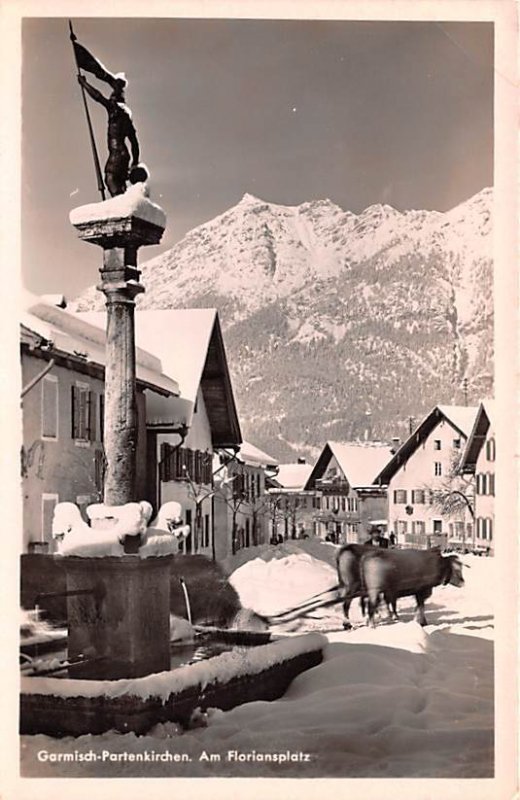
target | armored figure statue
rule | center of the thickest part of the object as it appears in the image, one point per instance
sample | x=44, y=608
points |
x=118, y=169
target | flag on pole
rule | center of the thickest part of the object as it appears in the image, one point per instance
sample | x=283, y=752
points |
x=85, y=60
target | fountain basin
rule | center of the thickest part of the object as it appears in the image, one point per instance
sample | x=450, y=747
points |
x=71, y=707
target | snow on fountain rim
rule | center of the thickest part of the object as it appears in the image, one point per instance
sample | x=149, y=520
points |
x=221, y=669
x=133, y=203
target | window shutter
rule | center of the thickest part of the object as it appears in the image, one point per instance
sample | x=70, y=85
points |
x=91, y=416
x=101, y=417
x=82, y=428
x=73, y=412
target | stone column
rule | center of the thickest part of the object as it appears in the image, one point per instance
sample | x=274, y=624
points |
x=120, y=426
x=120, y=239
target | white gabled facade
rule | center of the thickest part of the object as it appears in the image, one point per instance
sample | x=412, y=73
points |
x=418, y=470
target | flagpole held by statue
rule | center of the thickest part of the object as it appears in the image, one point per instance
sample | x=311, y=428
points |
x=122, y=166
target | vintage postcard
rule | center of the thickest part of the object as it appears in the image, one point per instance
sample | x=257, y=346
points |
x=260, y=352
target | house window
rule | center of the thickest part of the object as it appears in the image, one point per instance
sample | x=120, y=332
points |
x=258, y=487
x=83, y=402
x=179, y=463
x=418, y=527
x=490, y=449
x=459, y=530
x=418, y=496
x=402, y=527
x=400, y=495
x=206, y=530
x=343, y=504
x=483, y=483
x=50, y=407
x=491, y=483
x=437, y=525
x=436, y=444
x=437, y=468
x=457, y=444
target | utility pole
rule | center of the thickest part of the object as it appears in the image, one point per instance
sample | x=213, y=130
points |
x=465, y=390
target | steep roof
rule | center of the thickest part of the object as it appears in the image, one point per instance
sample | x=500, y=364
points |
x=293, y=477
x=360, y=463
x=79, y=338
x=190, y=345
x=461, y=418
x=477, y=437
x=253, y=456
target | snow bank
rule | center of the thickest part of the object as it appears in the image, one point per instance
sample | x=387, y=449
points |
x=219, y=669
x=323, y=551
x=270, y=587
x=133, y=203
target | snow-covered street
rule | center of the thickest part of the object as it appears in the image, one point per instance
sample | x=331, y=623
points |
x=394, y=701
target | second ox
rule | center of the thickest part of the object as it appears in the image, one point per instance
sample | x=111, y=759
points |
x=403, y=573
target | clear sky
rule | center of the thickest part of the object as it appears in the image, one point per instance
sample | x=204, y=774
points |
x=290, y=111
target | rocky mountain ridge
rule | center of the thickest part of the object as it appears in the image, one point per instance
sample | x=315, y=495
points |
x=338, y=325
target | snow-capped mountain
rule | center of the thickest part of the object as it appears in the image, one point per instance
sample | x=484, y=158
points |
x=329, y=315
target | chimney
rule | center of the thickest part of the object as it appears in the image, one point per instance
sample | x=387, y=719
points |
x=395, y=444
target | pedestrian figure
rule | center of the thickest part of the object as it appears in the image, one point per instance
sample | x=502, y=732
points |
x=376, y=538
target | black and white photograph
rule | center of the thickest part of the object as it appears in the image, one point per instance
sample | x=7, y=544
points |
x=265, y=415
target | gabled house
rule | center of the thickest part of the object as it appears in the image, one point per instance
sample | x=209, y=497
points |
x=62, y=457
x=291, y=507
x=184, y=432
x=478, y=460
x=241, y=505
x=423, y=469
x=347, y=500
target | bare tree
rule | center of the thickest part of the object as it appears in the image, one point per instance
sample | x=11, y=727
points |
x=454, y=494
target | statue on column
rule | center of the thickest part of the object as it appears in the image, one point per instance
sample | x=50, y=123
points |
x=118, y=168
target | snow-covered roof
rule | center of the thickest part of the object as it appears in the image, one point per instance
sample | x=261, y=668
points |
x=293, y=476
x=461, y=418
x=477, y=437
x=178, y=337
x=253, y=456
x=190, y=346
x=359, y=462
x=76, y=336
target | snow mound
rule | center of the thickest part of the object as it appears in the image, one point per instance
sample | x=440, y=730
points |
x=133, y=203
x=270, y=587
